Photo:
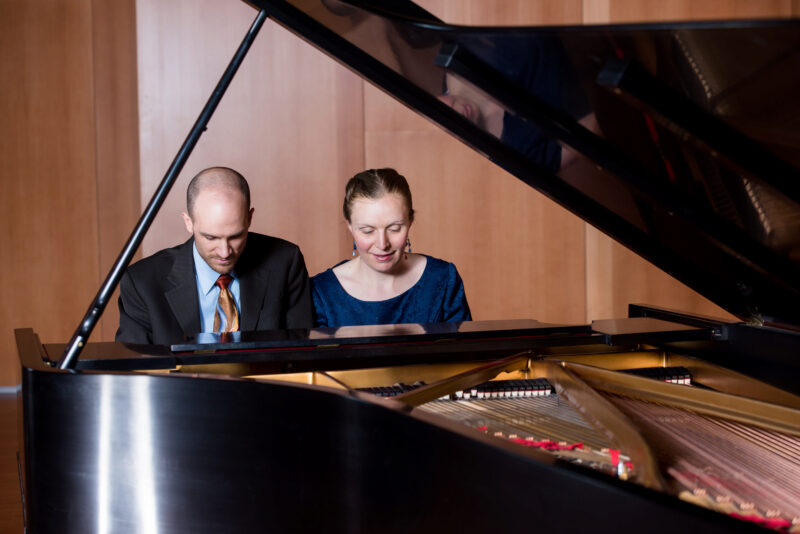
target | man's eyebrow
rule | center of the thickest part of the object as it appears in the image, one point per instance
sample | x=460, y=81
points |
x=212, y=236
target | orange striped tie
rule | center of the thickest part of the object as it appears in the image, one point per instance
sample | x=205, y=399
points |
x=226, y=307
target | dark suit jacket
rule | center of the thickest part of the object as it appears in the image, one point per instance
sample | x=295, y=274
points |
x=158, y=301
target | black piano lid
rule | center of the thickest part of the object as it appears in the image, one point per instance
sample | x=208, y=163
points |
x=686, y=136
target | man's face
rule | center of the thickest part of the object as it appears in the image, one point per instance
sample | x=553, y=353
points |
x=219, y=224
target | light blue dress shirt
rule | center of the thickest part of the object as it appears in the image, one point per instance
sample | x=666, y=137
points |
x=208, y=292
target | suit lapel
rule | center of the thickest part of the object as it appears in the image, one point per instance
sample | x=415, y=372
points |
x=253, y=290
x=253, y=286
x=182, y=297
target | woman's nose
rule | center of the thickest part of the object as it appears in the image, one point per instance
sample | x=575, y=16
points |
x=383, y=241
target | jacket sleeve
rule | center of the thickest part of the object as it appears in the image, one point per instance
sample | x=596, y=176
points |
x=319, y=303
x=454, y=304
x=299, y=312
x=134, y=320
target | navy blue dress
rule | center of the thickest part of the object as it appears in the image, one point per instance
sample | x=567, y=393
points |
x=437, y=297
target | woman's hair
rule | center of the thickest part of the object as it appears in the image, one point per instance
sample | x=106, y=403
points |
x=373, y=184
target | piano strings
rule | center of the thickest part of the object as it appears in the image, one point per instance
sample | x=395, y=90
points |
x=732, y=467
x=546, y=422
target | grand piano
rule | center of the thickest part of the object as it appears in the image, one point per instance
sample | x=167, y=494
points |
x=680, y=141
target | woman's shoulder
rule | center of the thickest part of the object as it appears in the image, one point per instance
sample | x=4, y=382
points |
x=321, y=278
x=327, y=277
x=436, y=266
x=437, y=262
x=440, y=273
x=329, y=271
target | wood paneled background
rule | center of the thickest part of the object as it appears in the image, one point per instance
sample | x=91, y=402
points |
x=69, y=161
x=98, y=96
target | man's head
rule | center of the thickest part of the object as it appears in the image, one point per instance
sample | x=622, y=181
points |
x=218, y=215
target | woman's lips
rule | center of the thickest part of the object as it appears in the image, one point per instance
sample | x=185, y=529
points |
x=383, y=257
x=468, y=112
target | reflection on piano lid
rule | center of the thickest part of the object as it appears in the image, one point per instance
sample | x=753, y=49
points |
x=677, y=140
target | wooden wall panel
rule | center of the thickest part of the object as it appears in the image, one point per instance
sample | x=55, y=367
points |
x=505, y=13
x=653, y=10
x=596, y=11
x=291, y=122
x=620, y=11
x=116, y=139
x=617, y=277
x=48, y=197
x=50, y=158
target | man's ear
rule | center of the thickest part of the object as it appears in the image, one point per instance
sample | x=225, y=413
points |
x=250, y=217
x=188, y=222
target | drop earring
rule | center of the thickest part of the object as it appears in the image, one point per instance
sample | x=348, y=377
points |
x=354, y=249
x=408, y=250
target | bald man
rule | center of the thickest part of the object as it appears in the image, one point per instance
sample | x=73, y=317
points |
x=194, y=287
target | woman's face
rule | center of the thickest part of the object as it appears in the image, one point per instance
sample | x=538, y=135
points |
x=380, y=229
x=464, y=106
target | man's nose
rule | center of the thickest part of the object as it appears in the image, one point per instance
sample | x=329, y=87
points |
x=224, y=248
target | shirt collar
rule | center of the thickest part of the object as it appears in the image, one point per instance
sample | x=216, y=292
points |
x=206, y=276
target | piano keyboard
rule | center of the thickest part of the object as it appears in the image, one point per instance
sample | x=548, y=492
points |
x=495, y=389
x=674, y=375
x=537, y=387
